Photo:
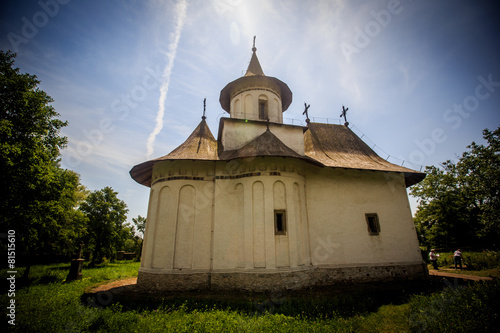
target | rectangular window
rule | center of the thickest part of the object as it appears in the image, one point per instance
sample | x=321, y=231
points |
x=372, y=223
x=262, y=110
x=280, y=222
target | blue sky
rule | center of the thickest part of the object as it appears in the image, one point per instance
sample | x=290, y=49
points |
x=421, y=79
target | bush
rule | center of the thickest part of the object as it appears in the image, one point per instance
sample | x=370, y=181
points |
x=472, y=260
x=446, y=259
x=482, y=260
x=458, y=309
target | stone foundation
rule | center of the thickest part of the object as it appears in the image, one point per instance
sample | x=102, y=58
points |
x=173, y=281
x=260, y=280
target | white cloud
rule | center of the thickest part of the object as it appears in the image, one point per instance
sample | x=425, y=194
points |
x=180, y=16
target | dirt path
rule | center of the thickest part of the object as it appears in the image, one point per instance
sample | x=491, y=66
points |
x=115, y=284
x=450, y=274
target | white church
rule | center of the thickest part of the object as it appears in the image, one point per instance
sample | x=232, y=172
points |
x=271, y=206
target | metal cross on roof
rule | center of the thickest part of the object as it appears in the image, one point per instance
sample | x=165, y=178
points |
x=306, y=112
x=344, y=114
x=204, y=108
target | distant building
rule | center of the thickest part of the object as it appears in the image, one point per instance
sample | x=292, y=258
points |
x=270, y=206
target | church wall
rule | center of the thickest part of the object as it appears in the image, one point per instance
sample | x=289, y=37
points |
x=163, y=237
x=245, y=237
x=275, y=105
x=248, y=106
x=259, y=225
x=282, y=242
x=237, y=110
x=337, y=201
x=149, y=231
x=326, y=239
x=236, y=134
x=178, y=228
x=184, y=231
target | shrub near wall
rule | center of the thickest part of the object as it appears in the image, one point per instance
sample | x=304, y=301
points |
x=482, y=260
x=472, y=260
x=458, y=309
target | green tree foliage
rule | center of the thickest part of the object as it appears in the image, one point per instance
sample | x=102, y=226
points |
x=140, y=224
x=459, y=204
x=106, y=228
x=38, y=198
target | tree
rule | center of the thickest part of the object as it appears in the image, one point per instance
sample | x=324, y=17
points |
x=106, y=231
x=480, y=169
x=38, y=198
x=459, y=204
x=140, y=224
x=72, y=221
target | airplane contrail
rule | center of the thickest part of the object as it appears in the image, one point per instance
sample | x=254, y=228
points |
x=180, y=16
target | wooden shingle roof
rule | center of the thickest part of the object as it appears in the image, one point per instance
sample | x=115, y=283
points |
x=337, y=146
x=326, y=145
x=200, y=145
x=266, y=144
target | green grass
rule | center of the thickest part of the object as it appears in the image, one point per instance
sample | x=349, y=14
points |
x=48, y=304
x=458, y=309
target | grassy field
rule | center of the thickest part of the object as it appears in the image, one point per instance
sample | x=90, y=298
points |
x=48, y=304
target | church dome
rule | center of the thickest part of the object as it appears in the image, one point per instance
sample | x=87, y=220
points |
x=255, y=80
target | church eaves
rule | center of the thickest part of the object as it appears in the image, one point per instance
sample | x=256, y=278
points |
x=200, y=145
x=338, y=147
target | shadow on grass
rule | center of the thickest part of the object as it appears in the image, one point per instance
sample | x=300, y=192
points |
x=344, y=300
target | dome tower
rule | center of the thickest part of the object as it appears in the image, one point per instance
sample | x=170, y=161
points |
x=256, y=96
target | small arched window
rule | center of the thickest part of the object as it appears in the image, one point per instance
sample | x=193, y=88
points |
x=263, y=107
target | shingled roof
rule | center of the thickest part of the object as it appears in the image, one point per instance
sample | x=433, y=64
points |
x=326, y=145
x=266, y=144
x=254, y=67
x=337, y=146
x=200, y=145
x=255, y=78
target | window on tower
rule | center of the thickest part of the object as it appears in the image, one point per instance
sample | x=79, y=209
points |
x=262, y=110
x=263, y=107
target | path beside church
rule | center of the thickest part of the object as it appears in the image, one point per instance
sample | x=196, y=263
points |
x=442, y=273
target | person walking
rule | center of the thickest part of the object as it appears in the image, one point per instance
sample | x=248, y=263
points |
x=457, y=256
x=433, y=257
